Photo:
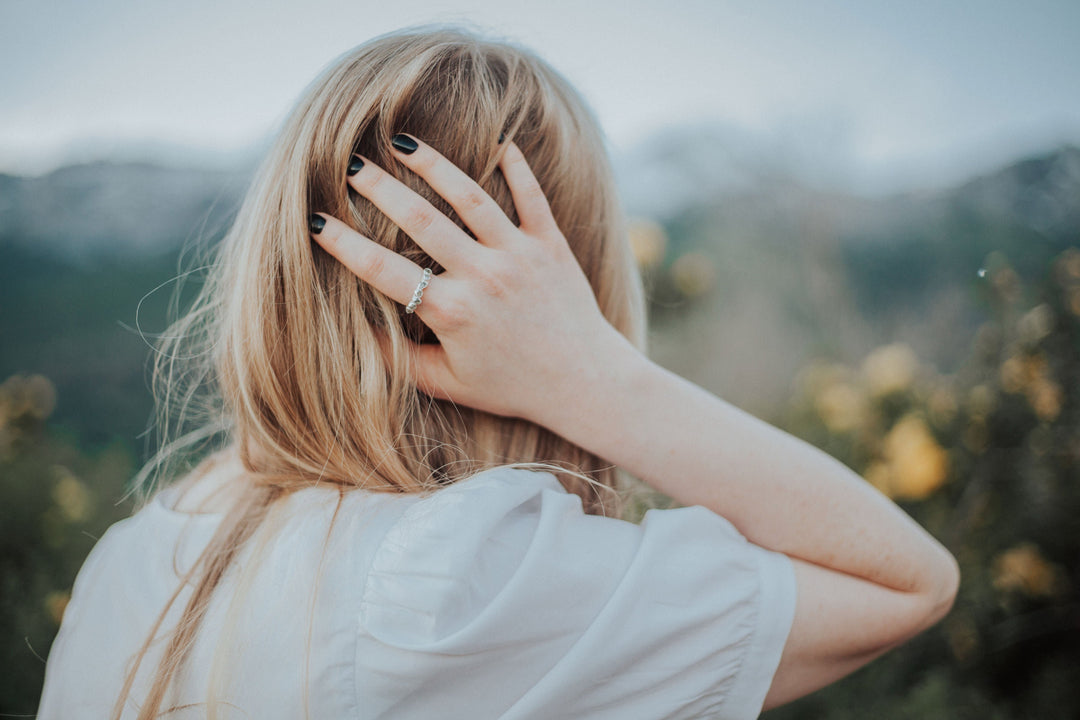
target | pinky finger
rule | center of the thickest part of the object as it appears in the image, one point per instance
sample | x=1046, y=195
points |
x=532, y=206
x=382, y=268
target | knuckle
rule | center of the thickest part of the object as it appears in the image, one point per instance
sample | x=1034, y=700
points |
x=514, y=154
x=422, y=162
x=330, y=238
x=530, y=188
x=490, y=286
x=373, y=267
x=495, y=279
x=449, y=313
x=419, y=218
x=472, y=198
x=368, y=181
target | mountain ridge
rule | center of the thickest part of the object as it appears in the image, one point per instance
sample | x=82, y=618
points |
x=101, y=210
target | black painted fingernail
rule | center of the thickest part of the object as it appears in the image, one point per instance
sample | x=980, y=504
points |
x=354, y=166
x=316, y=223
x=502, y=136
x=404, y=143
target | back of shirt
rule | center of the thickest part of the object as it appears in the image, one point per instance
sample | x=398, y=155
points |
x=495, y=597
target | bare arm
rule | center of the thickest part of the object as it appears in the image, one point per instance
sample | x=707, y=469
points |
x=520, y=334
x=868, y=576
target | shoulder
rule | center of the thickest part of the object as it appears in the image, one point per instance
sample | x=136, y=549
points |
x=454, y=558
x=496, y=509
x=491, y=491
x=451, y=551
x=504, y=580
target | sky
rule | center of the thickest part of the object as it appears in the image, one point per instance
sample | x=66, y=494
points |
x=861, y=94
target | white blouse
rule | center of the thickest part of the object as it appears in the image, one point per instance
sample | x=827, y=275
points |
x=496, y=597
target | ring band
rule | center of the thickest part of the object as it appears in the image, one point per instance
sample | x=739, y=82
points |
x=418, y=293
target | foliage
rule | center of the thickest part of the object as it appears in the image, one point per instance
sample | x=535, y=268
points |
x=55, y=500
x=81, y=326
x=987, y=460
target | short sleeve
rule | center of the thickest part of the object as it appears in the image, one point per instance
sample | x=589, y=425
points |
x=501, y=598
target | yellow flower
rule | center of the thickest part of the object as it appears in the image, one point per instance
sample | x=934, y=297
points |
x=1020, y=371
x=878, y=475
x=819, y=375
x=32, y=396
x=70, y=495
x=41, y=396
x=648, y=242
x=1029, y=374
x=693, y=274
x=1024, y=569
x=1044, y=396
x=1036, y=323
x=1074, y=300
x=917, y=463
x=56, y=603
x=1070, y=262
x=890, y=369
x=841, y=406
x=1012, y=375
x=941, y=406
x=981, y=401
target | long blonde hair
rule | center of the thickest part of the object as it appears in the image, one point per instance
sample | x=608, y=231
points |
x=303, y=367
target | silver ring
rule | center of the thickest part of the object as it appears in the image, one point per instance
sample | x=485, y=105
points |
x=418, y=293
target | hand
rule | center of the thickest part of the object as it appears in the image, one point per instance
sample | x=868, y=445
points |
x=518, y=325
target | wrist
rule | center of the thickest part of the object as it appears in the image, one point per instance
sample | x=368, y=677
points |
x=594, y=397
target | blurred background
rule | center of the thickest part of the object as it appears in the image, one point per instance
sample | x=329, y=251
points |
x=857, y=220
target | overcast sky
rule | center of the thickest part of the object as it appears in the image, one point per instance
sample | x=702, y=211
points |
x=882, y=93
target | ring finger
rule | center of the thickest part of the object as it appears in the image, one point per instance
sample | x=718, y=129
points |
x=388, y=272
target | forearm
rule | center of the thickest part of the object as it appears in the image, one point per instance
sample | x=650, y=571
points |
x=780, y=492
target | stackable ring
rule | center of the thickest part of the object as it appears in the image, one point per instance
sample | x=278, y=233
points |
x=418, y=293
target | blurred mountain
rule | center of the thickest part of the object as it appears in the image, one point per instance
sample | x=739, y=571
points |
x=88, y=255
x=1040, y=192
x=110, y=210
x=900, y=249
x=796, y=272
x=113, y=209
x=759, y=271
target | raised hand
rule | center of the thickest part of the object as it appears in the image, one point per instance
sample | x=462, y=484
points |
x=517, y=322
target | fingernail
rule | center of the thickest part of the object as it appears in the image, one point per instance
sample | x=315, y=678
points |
x=502, y=136
x=316, y=223
x=404, y=143
x=354, y=166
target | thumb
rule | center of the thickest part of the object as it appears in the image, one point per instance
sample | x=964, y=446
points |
x=430, y=372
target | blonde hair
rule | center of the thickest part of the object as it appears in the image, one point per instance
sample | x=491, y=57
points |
x=302, y=366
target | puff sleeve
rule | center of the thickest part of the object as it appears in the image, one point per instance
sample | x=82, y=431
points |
x=499, y=597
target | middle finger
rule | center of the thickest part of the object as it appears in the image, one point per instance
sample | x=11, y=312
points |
x=440, y=238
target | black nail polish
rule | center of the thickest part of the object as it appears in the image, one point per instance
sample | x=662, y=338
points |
x=354, y=166
x=502, y=136
x=316, y=223
x=404, y=143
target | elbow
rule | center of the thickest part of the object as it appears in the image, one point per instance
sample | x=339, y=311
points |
x=953, y=584
x=941, y=598
x=926, y=608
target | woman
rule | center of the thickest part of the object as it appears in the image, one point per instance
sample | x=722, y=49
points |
x=411, y=516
